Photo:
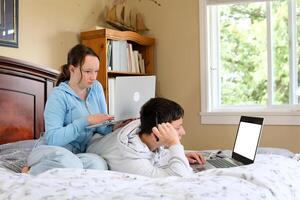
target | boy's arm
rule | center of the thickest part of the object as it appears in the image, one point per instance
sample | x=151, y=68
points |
x=177, y=165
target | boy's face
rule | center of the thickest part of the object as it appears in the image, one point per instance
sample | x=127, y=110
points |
x=178, y=125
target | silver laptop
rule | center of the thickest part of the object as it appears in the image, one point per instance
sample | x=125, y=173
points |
x=244, y=149
x=127, y=94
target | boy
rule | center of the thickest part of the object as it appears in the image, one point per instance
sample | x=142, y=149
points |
x=149, y=146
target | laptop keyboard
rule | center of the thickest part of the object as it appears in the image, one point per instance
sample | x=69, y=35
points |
x=197, y=168
x=220, y=163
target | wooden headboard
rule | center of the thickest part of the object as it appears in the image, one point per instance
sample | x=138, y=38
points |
x=24, y=88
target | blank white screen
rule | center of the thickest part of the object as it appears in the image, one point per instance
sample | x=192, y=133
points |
x=247, y=139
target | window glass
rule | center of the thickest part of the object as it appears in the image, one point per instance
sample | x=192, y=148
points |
x=280, y=52
x=250, y=49
x=243, y=65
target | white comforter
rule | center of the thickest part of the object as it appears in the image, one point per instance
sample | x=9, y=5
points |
x=271, y=177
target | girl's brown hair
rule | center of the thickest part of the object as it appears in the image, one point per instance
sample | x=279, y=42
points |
x=76, y=58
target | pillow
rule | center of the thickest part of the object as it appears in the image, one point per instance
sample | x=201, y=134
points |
x=14, y=155
x=277, y=151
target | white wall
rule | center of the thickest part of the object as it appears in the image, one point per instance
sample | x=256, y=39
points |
x=175, y=26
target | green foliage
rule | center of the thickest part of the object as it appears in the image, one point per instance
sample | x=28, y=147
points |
x=243, y=40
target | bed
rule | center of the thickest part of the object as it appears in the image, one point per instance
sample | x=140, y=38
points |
x=24, y=89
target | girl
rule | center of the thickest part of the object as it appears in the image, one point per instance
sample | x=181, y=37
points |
x=76, y=102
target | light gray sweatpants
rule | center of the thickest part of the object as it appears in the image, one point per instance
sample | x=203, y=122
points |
x=46, y=157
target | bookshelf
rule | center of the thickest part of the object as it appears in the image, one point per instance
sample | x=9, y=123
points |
x=98, y=40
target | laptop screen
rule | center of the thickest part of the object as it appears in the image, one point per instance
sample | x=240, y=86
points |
x=248, y=136
x=131, y=92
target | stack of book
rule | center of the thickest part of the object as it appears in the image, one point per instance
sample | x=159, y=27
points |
x=121, y=57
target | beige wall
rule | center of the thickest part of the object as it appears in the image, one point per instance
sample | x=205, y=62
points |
x=175, y=26
x=48, y=28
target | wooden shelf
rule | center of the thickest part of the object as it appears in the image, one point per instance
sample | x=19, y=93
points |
x=118, y=35
x=97, y=40
x=116, y=73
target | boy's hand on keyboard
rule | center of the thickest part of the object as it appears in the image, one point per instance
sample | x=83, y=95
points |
x=195, y=158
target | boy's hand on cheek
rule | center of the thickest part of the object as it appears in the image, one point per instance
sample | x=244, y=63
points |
x=166, y=133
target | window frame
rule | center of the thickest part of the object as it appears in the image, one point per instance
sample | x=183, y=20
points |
x=273, y=114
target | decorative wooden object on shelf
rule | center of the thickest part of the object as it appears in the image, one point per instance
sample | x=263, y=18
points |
x=97, y=40
x=124, y=19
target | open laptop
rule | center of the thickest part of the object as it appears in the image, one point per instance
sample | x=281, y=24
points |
x=244, y=149
x=127, y=94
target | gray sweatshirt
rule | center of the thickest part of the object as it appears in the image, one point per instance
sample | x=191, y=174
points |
x=125, y=152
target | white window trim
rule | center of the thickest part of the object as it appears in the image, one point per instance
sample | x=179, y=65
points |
x=283, y=115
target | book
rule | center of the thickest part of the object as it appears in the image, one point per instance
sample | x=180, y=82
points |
x=133, y=68
x=129, y=63
x=136, y=61
x=141, y=63
x=108, y=53
x=115, y=55
x=123, y=56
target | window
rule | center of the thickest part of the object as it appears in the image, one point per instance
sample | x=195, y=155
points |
x=249, y=60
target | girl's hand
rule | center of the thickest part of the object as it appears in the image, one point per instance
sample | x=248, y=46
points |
x=99, y=118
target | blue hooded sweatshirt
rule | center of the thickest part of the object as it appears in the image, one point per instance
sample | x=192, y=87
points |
x=66, y=117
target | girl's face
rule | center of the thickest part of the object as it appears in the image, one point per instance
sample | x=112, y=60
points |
x=88, y=73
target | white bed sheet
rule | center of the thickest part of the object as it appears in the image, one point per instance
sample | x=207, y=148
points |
x=271, y=177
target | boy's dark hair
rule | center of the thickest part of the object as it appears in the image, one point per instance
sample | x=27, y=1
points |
x=76, y=57
x=159, y=110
